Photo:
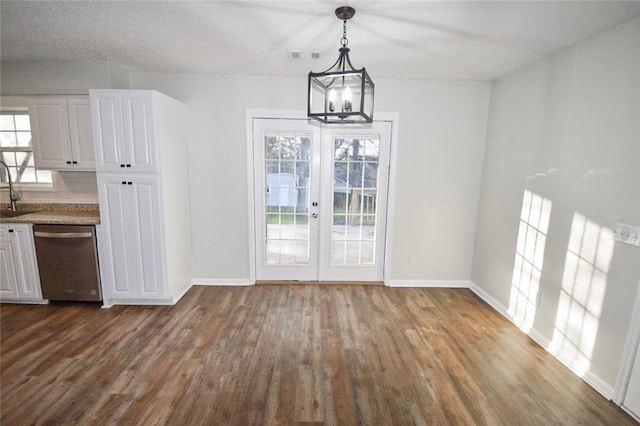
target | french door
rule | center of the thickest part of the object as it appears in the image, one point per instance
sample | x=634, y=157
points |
x=320, y=200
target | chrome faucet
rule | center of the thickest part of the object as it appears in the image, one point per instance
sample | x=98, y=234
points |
x=13, y=196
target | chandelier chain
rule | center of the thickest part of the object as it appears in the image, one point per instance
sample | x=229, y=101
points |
x=344, y=41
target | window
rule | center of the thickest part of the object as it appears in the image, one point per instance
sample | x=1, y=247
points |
x=16, y=151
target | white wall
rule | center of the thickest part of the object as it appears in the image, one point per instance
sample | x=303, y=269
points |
x=60, y=77
x=441, y=140
x=439, y=168
x=568, y=129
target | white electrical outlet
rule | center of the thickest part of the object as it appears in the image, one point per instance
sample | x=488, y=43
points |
x=627, y=234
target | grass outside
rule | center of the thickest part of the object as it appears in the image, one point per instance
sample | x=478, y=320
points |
x=287, y=219
x=303, y=219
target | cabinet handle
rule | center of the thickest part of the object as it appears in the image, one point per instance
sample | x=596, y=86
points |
x=128, y=165
x=74, y=162
x=68, y=162
x=124, y=182
x=129, y=183
x=121, y=165
x=10, y=230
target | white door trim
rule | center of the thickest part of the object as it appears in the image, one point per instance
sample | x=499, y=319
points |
x=632, y=346
x=253, y=113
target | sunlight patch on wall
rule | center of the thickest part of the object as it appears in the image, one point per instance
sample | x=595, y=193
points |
x=527, y=266
x=584, y=285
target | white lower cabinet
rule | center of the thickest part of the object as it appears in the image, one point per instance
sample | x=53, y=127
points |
x=131, y=241
x=19, y=278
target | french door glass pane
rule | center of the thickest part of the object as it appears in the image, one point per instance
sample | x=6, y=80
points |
x=287, y=186
x=355, y=194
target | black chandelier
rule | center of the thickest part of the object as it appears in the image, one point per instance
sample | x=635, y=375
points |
x=341, y=94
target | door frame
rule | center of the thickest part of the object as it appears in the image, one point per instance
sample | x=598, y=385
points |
x=278, y=114
x=631, y=348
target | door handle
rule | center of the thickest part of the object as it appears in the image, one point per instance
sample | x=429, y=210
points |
x=314, y=215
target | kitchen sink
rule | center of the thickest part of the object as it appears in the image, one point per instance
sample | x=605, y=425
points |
x=12, y=213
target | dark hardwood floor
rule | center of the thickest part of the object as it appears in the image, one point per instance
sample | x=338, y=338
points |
x=306, y=354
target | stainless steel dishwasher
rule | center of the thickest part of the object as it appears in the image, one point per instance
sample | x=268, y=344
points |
x=68, y=262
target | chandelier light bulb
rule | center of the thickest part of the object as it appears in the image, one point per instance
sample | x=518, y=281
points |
x=332, y=100
x=346, y=99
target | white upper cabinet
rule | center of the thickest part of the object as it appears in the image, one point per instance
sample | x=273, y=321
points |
x=81, y=132
x=61, y=132
x=124, y=131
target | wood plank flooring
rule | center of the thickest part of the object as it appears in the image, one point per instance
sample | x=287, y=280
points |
x=283, y=355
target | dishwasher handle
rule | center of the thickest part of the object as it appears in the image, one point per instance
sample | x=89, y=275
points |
x=40, y=234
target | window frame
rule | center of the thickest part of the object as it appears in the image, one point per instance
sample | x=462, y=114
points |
x=12, y=105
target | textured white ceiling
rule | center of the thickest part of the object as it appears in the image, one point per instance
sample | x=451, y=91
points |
x=402, y=39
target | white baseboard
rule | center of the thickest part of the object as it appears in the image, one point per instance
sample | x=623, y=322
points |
x=591, y=379
x=629, y=412
x=223, y=281
x=490, y=300
x=428, y=283
x=604, y=388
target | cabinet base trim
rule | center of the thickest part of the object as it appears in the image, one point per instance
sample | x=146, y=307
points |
x=152, y=302
x=25, y=301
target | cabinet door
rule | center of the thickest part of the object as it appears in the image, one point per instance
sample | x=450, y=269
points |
x=8, y=277
x=108, y=132
x=115, y=263
x=24, y=257
x=139, y=136
x=147, y=242
x=131, y=246
x=50, y=132
x=80, y=130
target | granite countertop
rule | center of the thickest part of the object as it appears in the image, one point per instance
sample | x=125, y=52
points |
x=55, y=214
